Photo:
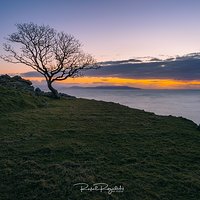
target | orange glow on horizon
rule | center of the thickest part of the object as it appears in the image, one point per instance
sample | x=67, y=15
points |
x=117, y=81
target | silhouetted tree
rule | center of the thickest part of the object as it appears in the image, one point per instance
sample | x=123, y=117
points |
x=55, y=55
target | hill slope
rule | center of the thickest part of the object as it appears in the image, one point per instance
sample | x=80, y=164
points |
x=48, y=145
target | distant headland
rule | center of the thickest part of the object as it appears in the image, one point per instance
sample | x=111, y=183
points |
x=107, y=87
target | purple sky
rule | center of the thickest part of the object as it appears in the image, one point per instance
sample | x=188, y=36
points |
x=112, y=29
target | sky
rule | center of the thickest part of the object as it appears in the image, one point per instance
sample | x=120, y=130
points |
x=114, y=30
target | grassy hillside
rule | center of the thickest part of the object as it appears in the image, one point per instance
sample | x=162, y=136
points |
x=48, y=145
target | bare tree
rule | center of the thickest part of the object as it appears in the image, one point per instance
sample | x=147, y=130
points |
x=57, y=56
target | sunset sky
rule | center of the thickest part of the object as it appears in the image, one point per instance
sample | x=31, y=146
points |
x=115, y=30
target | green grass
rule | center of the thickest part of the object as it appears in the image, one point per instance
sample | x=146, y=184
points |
x=47, y=145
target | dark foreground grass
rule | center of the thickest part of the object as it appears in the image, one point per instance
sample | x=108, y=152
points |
x=48, y=145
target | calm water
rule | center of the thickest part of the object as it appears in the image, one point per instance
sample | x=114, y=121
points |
x=185, y=103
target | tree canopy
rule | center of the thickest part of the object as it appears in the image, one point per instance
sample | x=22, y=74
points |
x=55, y=55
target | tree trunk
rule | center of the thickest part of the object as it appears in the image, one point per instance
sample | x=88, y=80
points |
x=53, y=90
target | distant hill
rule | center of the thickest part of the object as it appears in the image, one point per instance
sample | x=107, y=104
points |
x=107, y=87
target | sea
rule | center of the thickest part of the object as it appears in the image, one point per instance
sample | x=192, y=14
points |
x=180, y=103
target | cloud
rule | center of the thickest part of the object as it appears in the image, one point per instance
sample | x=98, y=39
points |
x=118, y=62
x=155, y=60
x=185, y=67
x=31, y=74
x=181, y=68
